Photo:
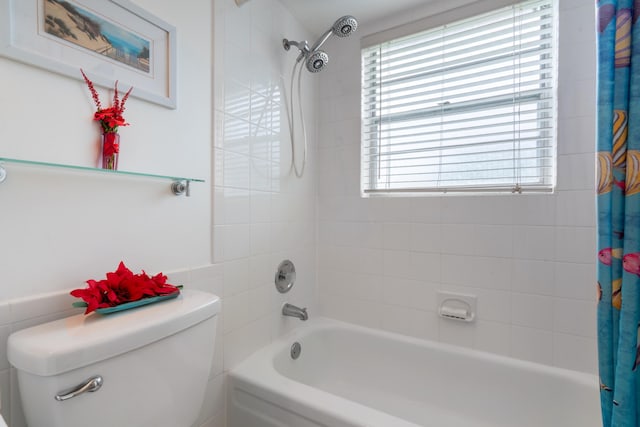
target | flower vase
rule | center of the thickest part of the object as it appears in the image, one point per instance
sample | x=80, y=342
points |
x=110, y=150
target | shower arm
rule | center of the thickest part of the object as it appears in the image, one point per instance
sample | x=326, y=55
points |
x=303, y=46
x=321, y=40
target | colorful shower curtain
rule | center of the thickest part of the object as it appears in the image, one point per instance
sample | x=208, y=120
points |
x=618, y=200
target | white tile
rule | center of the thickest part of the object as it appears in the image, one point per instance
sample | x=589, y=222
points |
x=532, y=344
x=5, y=312
x=409, y=294
x=406, y=321
x=236, y=277
x=576, y=209
x=214, y=399
x=217, y=363
x=236, y=312
x=577, y=98
x=576, y=135
x=260, y=206
x=397, y=236
x=237, y=97
x=5, y=393
x=575, y=281
x=576, y=172
x=236, y=170
x=486, y=210
x=533, y=277
x=237, y=241
x=241, y=343
x=576, y=353
x=535, y=243
x=261, y=271
x=456, y=333
x=236, y=132
x=180, y=277
x=218, y=170
x=356, y=311
x=368, y=261
x=260, y=174
x=578, y=60
x=208, y=278
x=425, y=237
x=260, y=238
x=237, y=25
x=237, y=204
x=532, y=311
x=458, y=239
x=493, y=337
x=397, y=209
x=482, y=272
x=426, y=210
x=575, y=244
x=575, y=317
x=5, y=331
x=493, y=240
x=218, y=243
x=412, y=265
x=577, y=23
x=259, y=302
x=35, y=306
x=534, y=209
x=493, y=305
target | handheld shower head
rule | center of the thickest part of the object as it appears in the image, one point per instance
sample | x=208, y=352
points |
x=345, y=26
x=317, y=61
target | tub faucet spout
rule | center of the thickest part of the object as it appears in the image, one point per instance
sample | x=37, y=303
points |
x=293, y=311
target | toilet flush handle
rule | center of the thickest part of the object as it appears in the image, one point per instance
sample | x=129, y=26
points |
x=91, y=385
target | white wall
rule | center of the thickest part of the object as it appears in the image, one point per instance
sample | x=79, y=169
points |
x=529, y=258
x=60, y=228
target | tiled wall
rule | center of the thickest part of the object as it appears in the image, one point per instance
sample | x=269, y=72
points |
x=528, y=258
x=263, y=214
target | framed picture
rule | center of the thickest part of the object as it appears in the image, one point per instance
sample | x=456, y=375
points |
x=109, y=39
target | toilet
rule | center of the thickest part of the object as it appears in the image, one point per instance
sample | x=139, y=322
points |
x=144, y=367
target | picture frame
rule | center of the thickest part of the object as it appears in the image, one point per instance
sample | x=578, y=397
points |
x=109, y=39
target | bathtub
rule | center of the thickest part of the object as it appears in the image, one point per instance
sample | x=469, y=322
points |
x=348, y=375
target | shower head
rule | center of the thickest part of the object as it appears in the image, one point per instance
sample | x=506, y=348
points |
x=316, y=61
x=345, y=26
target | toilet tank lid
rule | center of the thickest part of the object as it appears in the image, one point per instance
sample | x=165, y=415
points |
x=62, y=345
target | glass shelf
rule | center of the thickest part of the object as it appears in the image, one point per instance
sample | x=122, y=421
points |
x=179, y=185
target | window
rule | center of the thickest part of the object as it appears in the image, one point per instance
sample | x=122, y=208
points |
x=464, y=107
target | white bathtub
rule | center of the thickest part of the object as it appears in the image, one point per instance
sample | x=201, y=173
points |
x=352, y=376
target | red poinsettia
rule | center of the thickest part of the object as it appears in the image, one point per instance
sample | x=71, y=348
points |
x=110, y=118
x=123, y=286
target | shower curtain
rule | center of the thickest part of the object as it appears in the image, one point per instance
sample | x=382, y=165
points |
x=618, y=201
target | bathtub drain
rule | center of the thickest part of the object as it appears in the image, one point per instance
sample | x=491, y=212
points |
x=296, y=349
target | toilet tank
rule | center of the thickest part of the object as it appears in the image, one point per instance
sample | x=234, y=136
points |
x=154, y=361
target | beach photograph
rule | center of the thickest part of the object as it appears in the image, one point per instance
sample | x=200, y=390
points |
x=81, y=27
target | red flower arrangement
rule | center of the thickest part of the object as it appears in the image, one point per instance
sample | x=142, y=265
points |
x=109, y=118
x=122, y=286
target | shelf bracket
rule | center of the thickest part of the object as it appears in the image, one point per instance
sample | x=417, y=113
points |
x=181, y=187
x=3, y=173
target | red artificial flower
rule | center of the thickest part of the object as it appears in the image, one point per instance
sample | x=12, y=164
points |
x=123, y=286
x=109, y=118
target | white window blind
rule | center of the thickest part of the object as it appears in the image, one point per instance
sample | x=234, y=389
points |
x=468, y=106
